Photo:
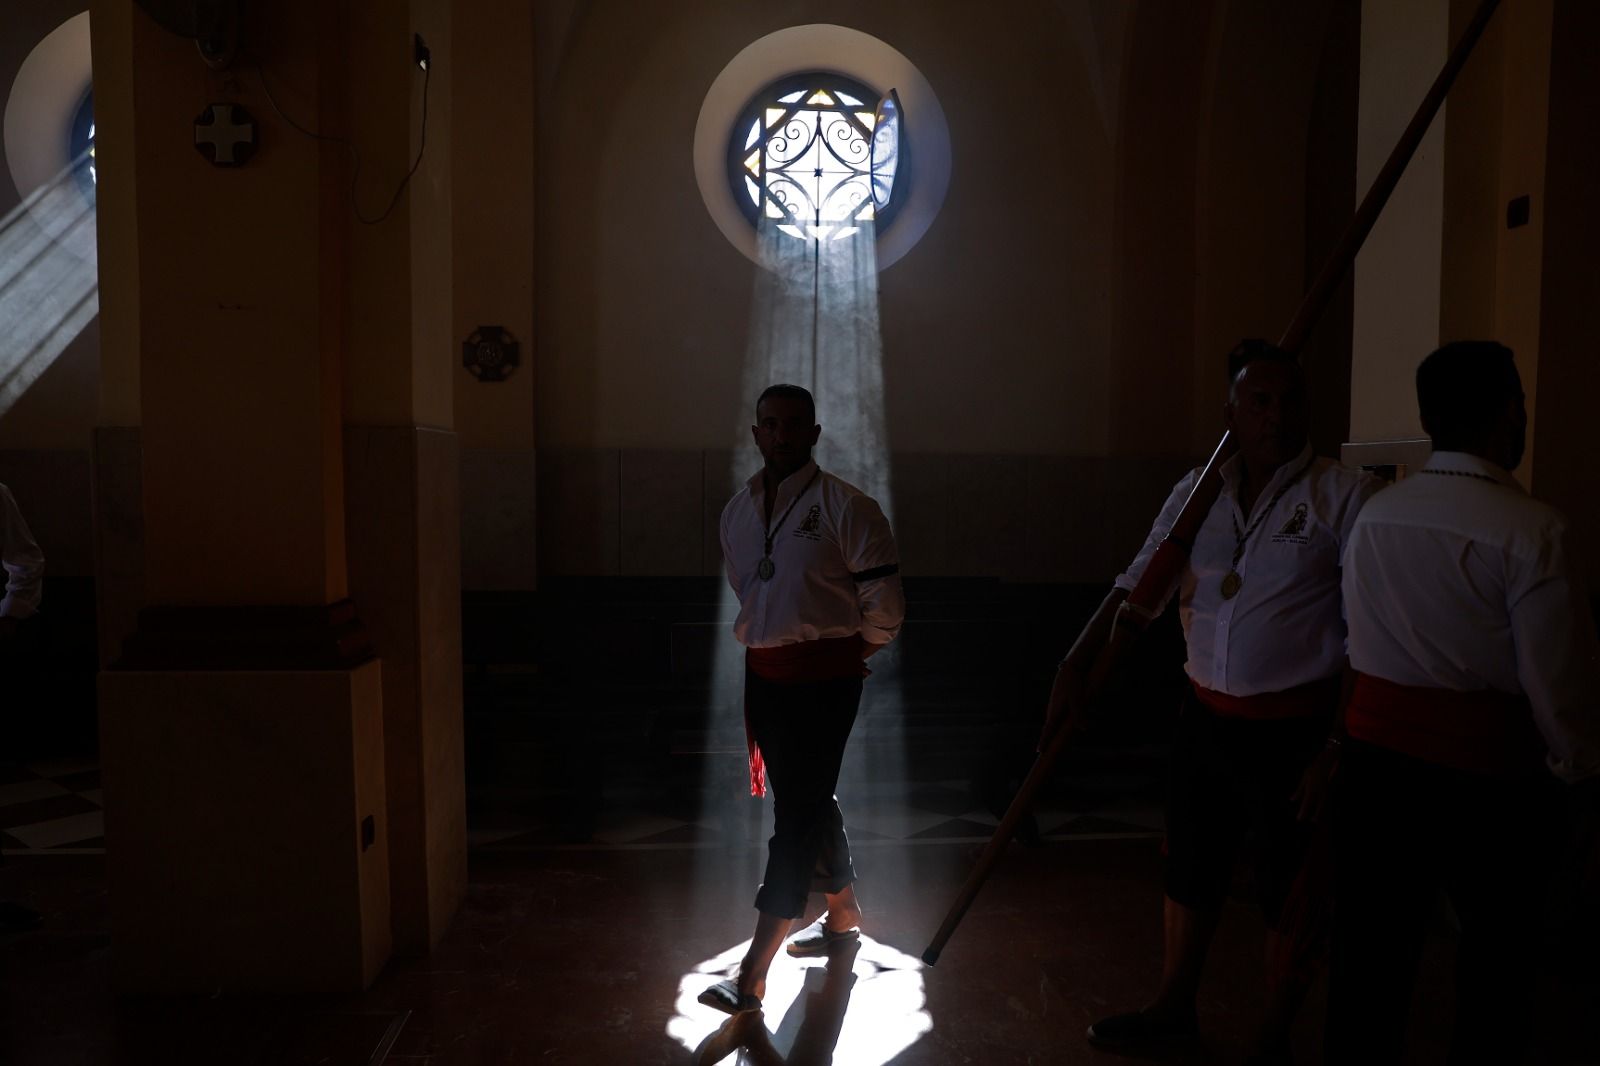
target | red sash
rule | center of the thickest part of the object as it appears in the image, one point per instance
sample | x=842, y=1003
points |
x=1484, y=732
x=829, y=659
x=1302, y=701
x=811, y=660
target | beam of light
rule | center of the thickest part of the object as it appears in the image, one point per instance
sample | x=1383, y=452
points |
x=862, y=1006
x=49, y=280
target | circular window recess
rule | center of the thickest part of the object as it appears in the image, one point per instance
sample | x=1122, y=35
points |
x=858, y=59
x=46, y=101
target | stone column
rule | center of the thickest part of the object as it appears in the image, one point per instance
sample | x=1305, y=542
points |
x=249, y=728
x=401, y=459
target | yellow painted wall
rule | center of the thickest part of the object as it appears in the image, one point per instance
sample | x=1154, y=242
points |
x=995, y=326
x=1397, y=275
x=233, y=390
x=494, y=197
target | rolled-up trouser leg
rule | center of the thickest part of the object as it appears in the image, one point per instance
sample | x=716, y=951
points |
x=802, y=730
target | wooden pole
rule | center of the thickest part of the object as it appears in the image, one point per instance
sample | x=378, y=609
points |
x=1165, y=566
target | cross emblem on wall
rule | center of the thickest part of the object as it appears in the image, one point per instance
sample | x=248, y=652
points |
x=225, y=134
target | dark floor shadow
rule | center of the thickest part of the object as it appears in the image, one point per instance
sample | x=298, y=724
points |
x=809, y=1032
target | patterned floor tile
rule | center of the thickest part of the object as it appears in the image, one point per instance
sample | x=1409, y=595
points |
x=958, y=828
x=18, y=815
x=61, y=831
x=897, y=823
x=1092, y=825
x=80, y=782
x=630, y=827
x=65, y=767
x=34, y=789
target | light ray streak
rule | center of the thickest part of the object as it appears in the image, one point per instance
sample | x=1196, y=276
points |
x=49, y=279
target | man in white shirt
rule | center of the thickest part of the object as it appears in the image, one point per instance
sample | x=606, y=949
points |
x=1260, y=607
x=1476, y=668
x=813, y=563
x=24, y=567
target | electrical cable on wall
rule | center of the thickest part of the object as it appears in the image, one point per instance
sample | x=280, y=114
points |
x=350, y=146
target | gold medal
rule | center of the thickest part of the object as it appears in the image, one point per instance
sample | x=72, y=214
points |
x=1231, y=584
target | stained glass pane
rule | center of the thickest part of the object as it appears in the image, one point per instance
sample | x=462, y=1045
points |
x=808, y=161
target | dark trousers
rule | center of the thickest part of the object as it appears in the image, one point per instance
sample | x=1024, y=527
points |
x=802, y=730
x=1232, y=778
x=1403, y=829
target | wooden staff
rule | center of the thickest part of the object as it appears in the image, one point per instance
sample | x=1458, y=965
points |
x=1146, y=600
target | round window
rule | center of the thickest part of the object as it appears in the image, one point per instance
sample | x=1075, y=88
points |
x=80, y=149
x=815, y=156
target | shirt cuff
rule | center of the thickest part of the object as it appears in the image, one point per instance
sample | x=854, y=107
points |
x=873, y=635
x=11, y=607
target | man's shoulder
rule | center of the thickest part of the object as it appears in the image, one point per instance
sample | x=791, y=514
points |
x=840, y=495
x=1500, y=514
x=739, y=499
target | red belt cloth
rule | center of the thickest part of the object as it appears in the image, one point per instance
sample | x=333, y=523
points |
x=829, y=659
x=811, y=660
x=1302, y=701
x=1484, y=732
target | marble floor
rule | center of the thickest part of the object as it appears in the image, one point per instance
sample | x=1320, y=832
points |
x=594, y=953
x=614, y=852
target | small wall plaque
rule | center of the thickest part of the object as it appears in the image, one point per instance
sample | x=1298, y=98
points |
x=225, y=134
x=490, y=353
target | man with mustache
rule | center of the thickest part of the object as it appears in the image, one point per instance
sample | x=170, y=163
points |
x=1260, y=605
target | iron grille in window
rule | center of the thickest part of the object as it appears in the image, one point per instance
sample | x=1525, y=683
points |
x=810, y=152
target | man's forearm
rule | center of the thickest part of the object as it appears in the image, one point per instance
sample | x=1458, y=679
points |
x=1093, y=639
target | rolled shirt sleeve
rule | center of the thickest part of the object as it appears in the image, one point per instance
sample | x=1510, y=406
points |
x=874, y=562
x=1558, y=655
x=1129, y=578
x=23, y=561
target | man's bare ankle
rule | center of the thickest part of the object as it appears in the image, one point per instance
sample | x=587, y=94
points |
x=843, y=918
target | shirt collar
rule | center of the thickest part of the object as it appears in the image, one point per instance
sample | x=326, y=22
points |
x=758, y=485
x=1467, y=463
x=1233, y=469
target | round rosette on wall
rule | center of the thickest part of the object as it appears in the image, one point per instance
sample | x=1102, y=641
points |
x=490, y=353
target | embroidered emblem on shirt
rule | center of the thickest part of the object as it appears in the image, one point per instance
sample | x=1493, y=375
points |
x=811, y=528
x=1294, y=530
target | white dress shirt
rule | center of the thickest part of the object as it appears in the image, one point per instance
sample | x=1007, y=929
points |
x=1284, y=628
x=1456, y=578
x=23, y=560
x=836, y=571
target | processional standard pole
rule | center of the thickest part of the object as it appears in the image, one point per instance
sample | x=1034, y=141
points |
x=1145, y=601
